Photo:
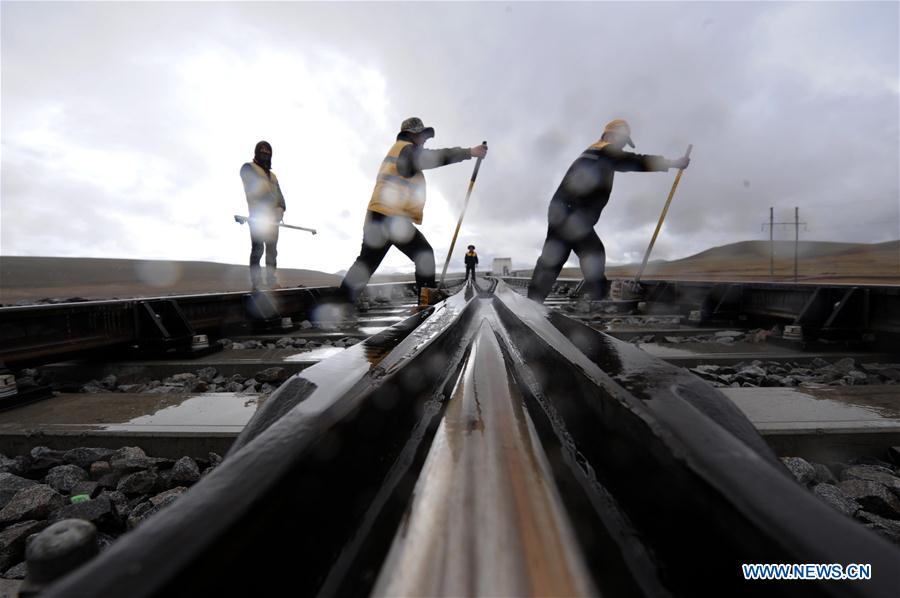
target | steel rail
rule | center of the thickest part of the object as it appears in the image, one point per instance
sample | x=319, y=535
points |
x=489, y=445
x=484, y=521
x=36, y=334
x=830, y=312
x=327, y=457
x=685, y=465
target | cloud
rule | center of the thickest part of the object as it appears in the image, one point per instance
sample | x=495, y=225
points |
x=123, y=138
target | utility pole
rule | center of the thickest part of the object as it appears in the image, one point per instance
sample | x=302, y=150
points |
x=772, y=224
x=796, y=238
x=771, y=243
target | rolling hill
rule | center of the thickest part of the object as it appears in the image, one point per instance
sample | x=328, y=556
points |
x=749, y=260
x=33, y=278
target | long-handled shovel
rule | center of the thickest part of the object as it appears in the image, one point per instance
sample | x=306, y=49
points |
x=662, y=217
x=459, y=223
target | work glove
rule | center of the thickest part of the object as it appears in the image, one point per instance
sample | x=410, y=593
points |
x=681, y=162
x=479, y=151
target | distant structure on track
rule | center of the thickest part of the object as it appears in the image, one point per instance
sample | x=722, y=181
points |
x=502, y=266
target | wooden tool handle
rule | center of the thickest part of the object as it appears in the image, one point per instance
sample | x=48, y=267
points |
x=477, y=165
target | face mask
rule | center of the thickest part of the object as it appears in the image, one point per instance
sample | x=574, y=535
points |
x=262, y=155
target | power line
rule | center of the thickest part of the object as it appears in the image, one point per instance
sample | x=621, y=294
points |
x=772, y=224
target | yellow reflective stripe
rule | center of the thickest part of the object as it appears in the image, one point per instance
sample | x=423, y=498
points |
x=395, y=195
x=397, y=148
x=599, y=145
x=396, y=178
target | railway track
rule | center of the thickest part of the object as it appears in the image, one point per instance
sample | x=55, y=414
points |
x=485, y=446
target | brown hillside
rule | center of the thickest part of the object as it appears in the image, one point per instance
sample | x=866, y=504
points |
x=749, y=260
x=32, y=278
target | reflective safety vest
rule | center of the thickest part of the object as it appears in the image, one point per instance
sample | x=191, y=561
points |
x=599, y=145
x=395, y=195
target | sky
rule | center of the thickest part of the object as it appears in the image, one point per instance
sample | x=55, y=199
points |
x=124, y=125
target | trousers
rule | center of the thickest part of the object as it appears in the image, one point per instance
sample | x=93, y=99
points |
x=570, y=230
x=380, y=233
x=263, y=239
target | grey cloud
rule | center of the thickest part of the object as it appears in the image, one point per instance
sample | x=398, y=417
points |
x=538, y=80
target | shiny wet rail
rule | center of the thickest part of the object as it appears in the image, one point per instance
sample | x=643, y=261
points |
x=490, y=446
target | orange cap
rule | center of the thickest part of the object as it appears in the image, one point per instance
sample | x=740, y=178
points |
x=619, y=126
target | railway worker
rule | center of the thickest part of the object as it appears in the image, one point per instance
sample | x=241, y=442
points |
x=576, y=207
x=397, y=205
x=266, y=209
x=471, y=261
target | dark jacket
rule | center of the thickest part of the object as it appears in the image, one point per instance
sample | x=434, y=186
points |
x=471, y=258
x=586, y=185
x=415, y=159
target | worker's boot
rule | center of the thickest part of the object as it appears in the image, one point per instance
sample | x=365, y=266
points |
x=430, y=296
x=629, y=290
x=256, y=278
x=272, y=278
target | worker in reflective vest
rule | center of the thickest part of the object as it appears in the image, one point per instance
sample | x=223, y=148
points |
x=266, y=208
x=471, y=261
x=397, y=205
x=576, y=207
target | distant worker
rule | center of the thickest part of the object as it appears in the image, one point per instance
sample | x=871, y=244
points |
x=576, y=207
x=397, y=203
x=266, y=205
x=471, y=262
